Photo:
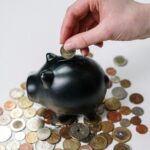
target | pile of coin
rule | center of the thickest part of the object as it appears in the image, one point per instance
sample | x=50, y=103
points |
x=25, y=125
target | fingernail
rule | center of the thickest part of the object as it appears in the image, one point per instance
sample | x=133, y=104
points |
x=68, y=46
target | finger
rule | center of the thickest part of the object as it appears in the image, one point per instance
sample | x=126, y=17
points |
x=74, y=13
x=85, y=39
x=85, y=51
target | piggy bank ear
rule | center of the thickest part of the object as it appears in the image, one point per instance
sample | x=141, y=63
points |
x=47, y=78
x=50, y=56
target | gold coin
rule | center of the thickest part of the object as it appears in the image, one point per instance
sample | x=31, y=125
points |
x=30, y=112
x=24, y=102
x=9, y=105
x=112, y=104
x=23, y=85
x=31, y=137
x=71, y=144
x=108, y=137
x=107, y=126
x=67, y=54
x=98, y=142
x=121, y=134
x=54, y=138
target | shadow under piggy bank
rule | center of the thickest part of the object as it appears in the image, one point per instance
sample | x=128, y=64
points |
x=68, y=87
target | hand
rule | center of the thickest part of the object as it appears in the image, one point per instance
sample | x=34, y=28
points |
x=90, y=22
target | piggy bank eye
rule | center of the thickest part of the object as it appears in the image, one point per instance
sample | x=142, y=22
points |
x=50, y=56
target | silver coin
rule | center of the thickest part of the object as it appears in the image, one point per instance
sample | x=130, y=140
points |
x=19, y=136
x=125, y=122
x=5, y=120
x=16, y=93
x=5, y=133
x=35, y=123
x=67, y=54
x=44, y=145
x=120, y=61
x=43, y=133
x=115, y=79
x=16, y=113
x=2, y=147
x=79, y=131
x=119, y=93
x=12, y=145
x=17, y=124
x=138, y=111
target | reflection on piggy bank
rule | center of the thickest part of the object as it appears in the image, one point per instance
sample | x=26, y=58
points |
x=74, y=86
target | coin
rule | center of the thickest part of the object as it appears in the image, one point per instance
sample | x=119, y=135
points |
x=65, y=132
x=40, y=111
x=108, y=137
x=125, y=122
x=23, y=85
x=138, y=111
x=67, y=54
x=9, y=105
x=125, y=83
x=1, y=111
x=100, y=110
x=125, y=110
x=2, y=147
x=44, y=145
x=71, y=144
x=31, y=137
x=98, y=142
x=120, y=61
x=142, y=129
x=54, y=138
x=24, y=102
x=26, y=146
x=94, y=127
x=109, y=85
x=17, y=124
x=85, y=147
x=16, y=113
x=107, y=126
x=121, y=134
x=114, y=116
x=5, y=120
x=115, y=79
x=79, y=131
x=122, y=146
x=43, y=133
x=112, y=103
x=12, y=145
x=29, y=112
x=136, y=120
x=136, y=98
x=5, y=133
x=119, y=93
x=111, y=71
x=34, y=124
x=90, y=54
x=58, y=149
x=16, y=93
x=92, y=119
x=88, y=138
x=19, y=136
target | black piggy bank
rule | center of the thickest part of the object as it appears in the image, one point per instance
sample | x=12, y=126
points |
x=68, y=87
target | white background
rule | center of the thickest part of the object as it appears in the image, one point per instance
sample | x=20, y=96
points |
x=30, y=28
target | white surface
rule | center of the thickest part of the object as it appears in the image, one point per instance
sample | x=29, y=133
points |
x=30, y=28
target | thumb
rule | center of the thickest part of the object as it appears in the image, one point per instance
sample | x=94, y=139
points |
x=85, y=39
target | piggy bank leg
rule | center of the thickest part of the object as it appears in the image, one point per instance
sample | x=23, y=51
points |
x=92, y=117
x=67, y=119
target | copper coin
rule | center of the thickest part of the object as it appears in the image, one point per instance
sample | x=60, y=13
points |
x=136, y=120
x=9, y=105
x=85, y=147
x=26, y=146
x=125, y=83
x=111, y=71
x=122, y=146
x=1, y=111
x=125, y=110
x=108, y=137
x=65, y=132
x=54, y=138
x=121, y=134
x=136, y=98
x=114, y=116
x=107, y=126
x=142, y=129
